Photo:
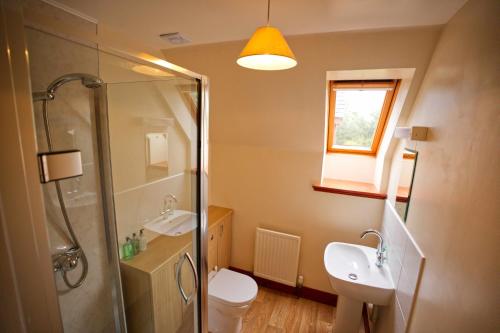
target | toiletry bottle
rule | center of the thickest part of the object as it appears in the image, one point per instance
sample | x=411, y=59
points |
x=135, y=243
x=120, y=251
x=143, y=243
x=128, y=249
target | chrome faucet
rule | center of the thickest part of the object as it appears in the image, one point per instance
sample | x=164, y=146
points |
x=380, y=246
x=169, y=205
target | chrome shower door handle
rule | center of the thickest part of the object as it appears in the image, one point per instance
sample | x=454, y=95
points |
x=178, y=274
x=195, y=273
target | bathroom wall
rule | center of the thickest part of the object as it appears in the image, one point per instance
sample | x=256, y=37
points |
x=89, y=307
x=454, y=215
x=406, y=262
x=267, y=133
x=339, y=166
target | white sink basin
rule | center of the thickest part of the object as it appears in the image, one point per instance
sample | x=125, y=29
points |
x=353, y=273
x=177, y=224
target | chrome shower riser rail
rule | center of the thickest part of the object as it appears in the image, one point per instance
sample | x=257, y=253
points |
x=69, y=259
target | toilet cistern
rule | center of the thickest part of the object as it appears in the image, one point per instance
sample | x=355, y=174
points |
x=380, y=246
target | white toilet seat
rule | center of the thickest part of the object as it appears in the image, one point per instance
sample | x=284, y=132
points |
x=232, y=289
x=229, y=297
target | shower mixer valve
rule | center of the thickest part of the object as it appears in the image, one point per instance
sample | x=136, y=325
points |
x=67, y=261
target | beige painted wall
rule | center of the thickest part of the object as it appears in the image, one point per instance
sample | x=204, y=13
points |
x=454, y=214
x=267, y=137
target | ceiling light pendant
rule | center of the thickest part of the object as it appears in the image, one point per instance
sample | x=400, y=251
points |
x=267, y=49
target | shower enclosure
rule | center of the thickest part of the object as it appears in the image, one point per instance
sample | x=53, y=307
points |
x=122, y=152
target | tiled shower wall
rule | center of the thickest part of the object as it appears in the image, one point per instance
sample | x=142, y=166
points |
x=87, y=308
x=406, y=261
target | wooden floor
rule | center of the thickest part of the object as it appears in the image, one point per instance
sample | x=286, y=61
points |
x=274, y=311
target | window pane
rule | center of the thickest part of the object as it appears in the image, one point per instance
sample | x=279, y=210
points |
x=356, y=117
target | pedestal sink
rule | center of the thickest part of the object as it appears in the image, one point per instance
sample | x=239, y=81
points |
x=356, y=279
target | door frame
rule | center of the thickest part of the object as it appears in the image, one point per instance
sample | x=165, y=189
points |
x=28, y=292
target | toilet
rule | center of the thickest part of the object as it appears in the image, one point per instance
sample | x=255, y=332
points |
x=230, y=295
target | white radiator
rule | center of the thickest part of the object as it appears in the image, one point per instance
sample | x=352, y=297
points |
x=276, y=256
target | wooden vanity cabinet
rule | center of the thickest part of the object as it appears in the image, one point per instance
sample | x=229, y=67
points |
x=153, y=302
x=224, y=241
x=213, y=238
x=219, y=237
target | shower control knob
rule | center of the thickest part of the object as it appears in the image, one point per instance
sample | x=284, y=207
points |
x=73, y=262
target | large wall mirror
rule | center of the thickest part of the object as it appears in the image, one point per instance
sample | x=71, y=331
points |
x=153, y=131
x=408, y=166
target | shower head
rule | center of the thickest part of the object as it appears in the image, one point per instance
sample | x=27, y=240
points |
x=89, y=81
x=92, y=82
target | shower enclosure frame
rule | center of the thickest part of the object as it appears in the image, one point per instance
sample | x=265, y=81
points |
x=105, y=173
x=202, y=173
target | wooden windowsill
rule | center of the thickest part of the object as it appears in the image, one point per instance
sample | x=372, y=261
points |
x=401, y=199
x=403, y=194
x=347, y=187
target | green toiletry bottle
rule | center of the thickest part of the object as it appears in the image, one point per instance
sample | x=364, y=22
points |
x=135, y=243
x=128, y=249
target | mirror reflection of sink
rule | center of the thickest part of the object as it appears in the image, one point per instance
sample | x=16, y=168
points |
x=356, y=279
x=176, y=224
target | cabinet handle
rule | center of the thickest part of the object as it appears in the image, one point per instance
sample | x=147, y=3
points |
x=187, y=299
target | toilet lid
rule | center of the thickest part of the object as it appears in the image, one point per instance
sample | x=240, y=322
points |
x=232, y=288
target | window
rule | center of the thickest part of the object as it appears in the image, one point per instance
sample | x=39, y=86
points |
x=358, y=115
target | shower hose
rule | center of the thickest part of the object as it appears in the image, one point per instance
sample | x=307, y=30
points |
x=77, y=249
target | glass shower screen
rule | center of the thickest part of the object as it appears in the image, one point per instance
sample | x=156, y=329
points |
x=154, y=123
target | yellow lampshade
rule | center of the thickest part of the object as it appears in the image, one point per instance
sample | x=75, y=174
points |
x=267, y=50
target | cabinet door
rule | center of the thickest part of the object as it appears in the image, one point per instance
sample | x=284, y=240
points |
x=224, y=242
x=166, y=298
x=212, y=247
x=138, y=300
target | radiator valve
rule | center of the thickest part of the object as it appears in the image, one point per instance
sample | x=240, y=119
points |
x=300, y=281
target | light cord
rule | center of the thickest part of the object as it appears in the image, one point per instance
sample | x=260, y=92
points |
x=268, y=11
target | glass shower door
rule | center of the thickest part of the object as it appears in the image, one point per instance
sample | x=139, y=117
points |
x=65, y=84
x=154, y=126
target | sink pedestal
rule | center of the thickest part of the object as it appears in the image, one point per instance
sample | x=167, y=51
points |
x=348, y=315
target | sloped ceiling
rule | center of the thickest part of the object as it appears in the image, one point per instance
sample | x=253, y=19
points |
x=210, y=21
